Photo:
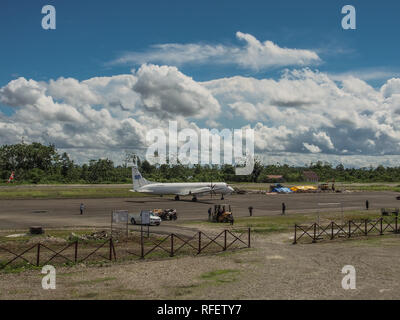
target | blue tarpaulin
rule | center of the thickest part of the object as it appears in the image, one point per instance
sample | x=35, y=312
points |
x=282, y=190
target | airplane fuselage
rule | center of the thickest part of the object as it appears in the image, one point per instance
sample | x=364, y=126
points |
x=185, y=188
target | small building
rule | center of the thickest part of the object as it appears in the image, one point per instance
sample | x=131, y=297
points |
x=274, y=178
x=310, y=176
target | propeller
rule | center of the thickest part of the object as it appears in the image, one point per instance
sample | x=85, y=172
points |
x=212, y=189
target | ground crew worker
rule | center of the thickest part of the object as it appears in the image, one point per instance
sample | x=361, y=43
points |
x=367, y=204
x=209, y=214
x=82, y=207
x=283, y=208
x=251, y=211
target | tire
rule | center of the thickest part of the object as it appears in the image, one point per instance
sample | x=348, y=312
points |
x=133, y=221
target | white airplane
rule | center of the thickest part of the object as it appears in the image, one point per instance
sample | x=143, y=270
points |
x=140, y=184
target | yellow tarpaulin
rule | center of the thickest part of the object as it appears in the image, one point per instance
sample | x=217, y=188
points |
x=303, y=188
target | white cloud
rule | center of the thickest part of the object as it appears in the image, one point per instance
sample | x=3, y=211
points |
x=168, y=92
x=305, y=106
x=324, y=139
x=253, y=55
x=304, y=113
x=312, y=148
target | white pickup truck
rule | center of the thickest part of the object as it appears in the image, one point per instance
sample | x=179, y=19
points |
x=136, y=218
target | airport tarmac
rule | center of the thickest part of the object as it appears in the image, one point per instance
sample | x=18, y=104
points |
x=58, y=213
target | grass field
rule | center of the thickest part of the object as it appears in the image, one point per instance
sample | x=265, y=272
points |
x=122, y=190
x=375, y=186
x=279, y=223
x=65, y=192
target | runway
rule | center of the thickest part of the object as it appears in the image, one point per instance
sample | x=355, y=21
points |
x=20, y=214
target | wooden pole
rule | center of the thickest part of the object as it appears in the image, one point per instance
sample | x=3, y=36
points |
x=76, y=251
x=199, y=251
x=141, y=242
x=38, y=255
x=225, y=240
x=172, y=245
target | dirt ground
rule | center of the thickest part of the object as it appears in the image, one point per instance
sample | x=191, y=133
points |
x=20, y=214
x=272, y=269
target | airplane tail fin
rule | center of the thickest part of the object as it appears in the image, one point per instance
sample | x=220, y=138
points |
x=138, y=180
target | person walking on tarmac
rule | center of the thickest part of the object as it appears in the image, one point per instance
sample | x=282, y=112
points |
x=367, y=205
x=82, y=207
x=251, y=211
x=283, y=208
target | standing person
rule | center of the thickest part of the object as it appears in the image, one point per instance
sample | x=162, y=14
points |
x=82, y=207
x=283, y=208
x=209, y=214
x=251, y=211
x=367, y=204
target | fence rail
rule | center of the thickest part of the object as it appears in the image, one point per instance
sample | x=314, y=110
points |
x=351, y=228
x=115, y=249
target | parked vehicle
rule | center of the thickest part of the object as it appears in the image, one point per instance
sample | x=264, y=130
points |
x=166, y=214
x=137, y=218
x=222, y=213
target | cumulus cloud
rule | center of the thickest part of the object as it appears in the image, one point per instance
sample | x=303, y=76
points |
x=168, y=92
x=312, y=148
x=254, y=54
x=305, y=113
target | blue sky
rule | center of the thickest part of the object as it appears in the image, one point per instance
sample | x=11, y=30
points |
x=91, y=33
x=92, y=37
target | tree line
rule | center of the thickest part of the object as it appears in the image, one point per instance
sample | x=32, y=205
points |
x=37, y=163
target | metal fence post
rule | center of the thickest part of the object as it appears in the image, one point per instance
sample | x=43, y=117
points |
x=38, y=255
x=199, y=251
x=395, y=225
x=332, y=236
x=249, y=243
x=381, y=226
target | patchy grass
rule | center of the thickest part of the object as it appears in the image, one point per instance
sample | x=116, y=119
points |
x=376, y=241
x=56, y=233
x=89, y=295
x=285, y=223
x=185, y=290
x=221, y=276
x=95, y=281
x=374, y=187
x=66, y=192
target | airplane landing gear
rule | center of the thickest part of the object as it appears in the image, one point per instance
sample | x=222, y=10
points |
x=222, y=197
x=194, y=199
x=176, y=198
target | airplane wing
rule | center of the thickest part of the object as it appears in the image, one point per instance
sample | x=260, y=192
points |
x=201, y=190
